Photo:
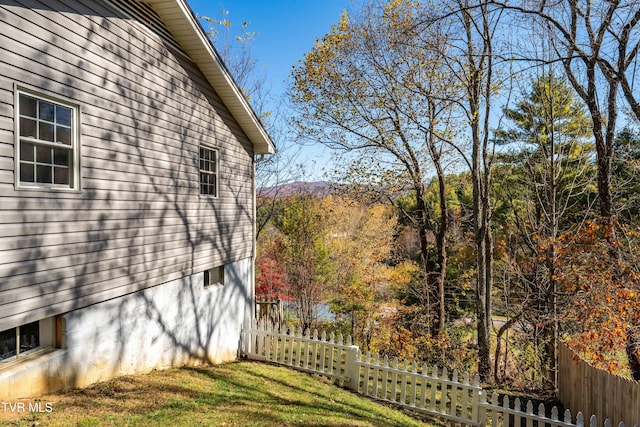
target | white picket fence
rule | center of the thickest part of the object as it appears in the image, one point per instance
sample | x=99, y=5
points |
x=458, y=400
x=436, y=393
x=319, y=355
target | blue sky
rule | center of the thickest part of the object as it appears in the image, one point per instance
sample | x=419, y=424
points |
x=286, y=30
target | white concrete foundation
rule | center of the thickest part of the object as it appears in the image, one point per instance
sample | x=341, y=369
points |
x=174, y=324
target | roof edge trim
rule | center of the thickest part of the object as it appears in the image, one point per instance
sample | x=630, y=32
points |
x=202, y=52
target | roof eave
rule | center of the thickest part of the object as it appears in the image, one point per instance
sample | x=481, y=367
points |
x=177, y=15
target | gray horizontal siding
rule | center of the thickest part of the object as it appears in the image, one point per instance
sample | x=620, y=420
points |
x=10, y=231
x=6, y=123
x=6, y=150
x=139, y=220
x=6, y=180
x=138, y=78
x=155, y=255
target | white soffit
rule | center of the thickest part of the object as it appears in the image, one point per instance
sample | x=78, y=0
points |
x=184, y=27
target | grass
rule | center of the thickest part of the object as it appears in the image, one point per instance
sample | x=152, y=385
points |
x=234, y=394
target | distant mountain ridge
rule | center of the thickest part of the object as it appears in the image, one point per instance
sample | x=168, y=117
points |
x=317, y=188
x=323, y=189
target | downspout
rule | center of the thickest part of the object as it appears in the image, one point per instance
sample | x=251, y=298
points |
x=254, y=228
x=254, y=252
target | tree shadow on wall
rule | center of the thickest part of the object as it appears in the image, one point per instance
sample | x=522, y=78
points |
x=138, y=236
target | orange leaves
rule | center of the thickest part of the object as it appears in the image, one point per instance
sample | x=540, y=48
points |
x=613, y=367
x=604, y=284
x=600, y=360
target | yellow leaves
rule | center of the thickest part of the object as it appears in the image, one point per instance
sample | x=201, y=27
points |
x=343, y=23
x=360, y=238
x=403, y=274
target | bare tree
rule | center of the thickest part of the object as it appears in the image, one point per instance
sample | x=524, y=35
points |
x=234, y=43
x=597, y=44
x=375, y=85
x=472, y=65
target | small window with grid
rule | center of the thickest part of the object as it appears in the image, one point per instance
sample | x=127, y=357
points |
x=47, y=143
x=208, y=171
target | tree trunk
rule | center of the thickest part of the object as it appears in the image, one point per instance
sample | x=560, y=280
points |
x=478, y=85
x=632, y=348
x=484, y=249
x=496, y=358
x=424, y=252
x=441, y=237
x=441, y=243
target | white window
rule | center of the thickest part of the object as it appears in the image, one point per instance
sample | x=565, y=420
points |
x=208, y=171
x=47, y=142
x=214, y=276
x=17, y=341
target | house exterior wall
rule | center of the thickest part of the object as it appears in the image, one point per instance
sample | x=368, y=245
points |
x=174, y=324
x=138, y=219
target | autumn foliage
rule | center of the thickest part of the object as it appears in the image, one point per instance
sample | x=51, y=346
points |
x=601, y=282
x=271, y=280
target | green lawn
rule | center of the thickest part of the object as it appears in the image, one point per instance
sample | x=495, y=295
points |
x=235, y=394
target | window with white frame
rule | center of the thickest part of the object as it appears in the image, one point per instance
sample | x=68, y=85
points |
x=208, y=171
x=47, y=142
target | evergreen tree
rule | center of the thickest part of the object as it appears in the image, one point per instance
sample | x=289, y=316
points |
x=546, y=173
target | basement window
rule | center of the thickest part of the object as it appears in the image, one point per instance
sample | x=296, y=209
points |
x=214, y=277
x=23, y=339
